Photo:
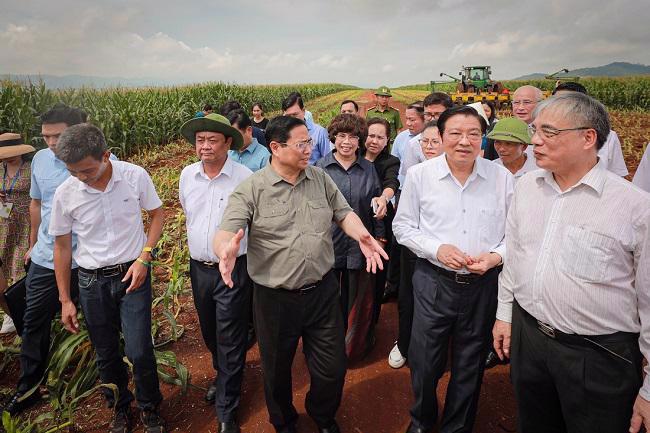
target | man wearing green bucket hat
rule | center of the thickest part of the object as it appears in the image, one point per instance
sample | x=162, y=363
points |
x=511, y=139
x=385, y=111
x=204, y=190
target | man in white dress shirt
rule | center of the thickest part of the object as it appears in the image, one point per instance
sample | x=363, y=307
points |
x=452, y=216
x=204, y=189
x=576, y=281
x=101, y=203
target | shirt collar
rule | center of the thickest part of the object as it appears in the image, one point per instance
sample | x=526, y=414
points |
x=274, y=178
x=251, y=147
x=116, y=176
x=594, y=179
x=330, y=159
x=225, y=170
x=478, y=169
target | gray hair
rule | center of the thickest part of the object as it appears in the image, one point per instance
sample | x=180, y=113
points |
x=80, y=141
x=582, y=110
x=539, y=95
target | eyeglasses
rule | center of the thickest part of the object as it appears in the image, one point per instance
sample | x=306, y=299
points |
x=343, y=136
x=525, y=102
x=301, y=145
x=377, y=137
x=426, y=142
x=550, y=132
x=457, y=136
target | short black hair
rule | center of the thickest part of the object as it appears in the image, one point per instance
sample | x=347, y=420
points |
x=280, y=127
x=418, y=106
x=464, y=110
x=80, y=141
x=350, y=101
x=207, y=107
x=239, y=119
x=438, y=98
x=570, y=86
x=62, y=113
x=292, y=99
x=228, y=106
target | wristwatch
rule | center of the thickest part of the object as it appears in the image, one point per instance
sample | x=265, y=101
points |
x=152, y=251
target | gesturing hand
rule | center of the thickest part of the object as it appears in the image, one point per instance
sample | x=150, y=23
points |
x=229, y=256
x=451, y=256
x=373, y=253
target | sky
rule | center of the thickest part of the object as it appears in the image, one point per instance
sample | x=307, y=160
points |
x=361, y=42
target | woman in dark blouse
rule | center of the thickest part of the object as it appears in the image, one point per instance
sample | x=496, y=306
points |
x=258, y=119
x=387, y=167
x=359, y=183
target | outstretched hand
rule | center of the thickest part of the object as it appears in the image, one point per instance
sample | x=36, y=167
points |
x=229, y=256
x=373, y=253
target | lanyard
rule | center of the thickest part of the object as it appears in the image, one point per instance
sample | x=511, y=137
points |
x=13, y=181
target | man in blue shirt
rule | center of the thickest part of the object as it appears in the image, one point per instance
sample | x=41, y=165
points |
x=252, y=154
x=42, y=295
x=293, y=106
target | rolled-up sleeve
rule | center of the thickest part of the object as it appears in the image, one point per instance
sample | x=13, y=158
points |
x=239, y=212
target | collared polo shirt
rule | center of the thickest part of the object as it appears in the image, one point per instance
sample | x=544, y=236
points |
x=108, y=223
x=48, y=172
x=289, y=238
x=254, y=157
x=204, y=201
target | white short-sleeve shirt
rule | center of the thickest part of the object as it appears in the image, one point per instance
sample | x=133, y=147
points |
x=108, y=223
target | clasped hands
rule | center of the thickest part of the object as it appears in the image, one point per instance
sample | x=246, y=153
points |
x=452, y=257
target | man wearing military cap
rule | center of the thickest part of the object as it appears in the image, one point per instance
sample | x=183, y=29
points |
x=383, y=110
x=204, y=190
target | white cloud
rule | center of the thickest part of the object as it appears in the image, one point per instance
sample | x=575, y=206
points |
x=17, y=35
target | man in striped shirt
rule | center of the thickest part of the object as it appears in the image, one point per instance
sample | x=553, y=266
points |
x=576, y=281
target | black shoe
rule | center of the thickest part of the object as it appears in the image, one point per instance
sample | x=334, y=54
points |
x=493, y=360
x=16, y=404
x=334, y=428
x=288, y=428
x=414, y=429
x=121, y=422
x=228, y=427
x=153, y=422
x=211, y=393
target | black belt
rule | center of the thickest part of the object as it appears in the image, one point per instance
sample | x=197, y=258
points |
x=211, y=265
x=108, y=271
x=596, y=341
x=307, y=288
x=458, y=277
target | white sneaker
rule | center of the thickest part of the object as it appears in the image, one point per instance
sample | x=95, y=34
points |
x=395, y=358
x=7, y=325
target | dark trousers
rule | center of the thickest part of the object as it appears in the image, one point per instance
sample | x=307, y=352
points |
x=223, y=316
x=281, y=318
x=446, y=310
x=108, y=308
x=357, y=289
x=405, y=300
x=42, y=304
x=563, y=387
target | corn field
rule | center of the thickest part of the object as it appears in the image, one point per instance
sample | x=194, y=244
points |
x=628, y=93
x=132, y=119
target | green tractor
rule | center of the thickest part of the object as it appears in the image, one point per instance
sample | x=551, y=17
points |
x=475, y=79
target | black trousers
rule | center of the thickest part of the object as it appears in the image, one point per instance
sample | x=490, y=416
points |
x=281, y=318
x=572, y=388
x=223, y=316
x=405, y=300
x=446, y=310
x=42, y=299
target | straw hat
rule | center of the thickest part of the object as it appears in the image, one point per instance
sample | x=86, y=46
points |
x=12, y=145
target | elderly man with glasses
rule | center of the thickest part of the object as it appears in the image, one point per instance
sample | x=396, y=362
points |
x=288, y=208
x=574, y=294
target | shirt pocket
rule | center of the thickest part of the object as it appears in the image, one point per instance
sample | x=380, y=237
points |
x=320, y=216
x=585, y=254
x=273, y=218
x=492, y=222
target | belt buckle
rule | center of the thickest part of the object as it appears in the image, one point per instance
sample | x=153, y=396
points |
x=547, y=330
x=210, y=264
x=307, y=289
x=111, y=271
x=461, y=280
